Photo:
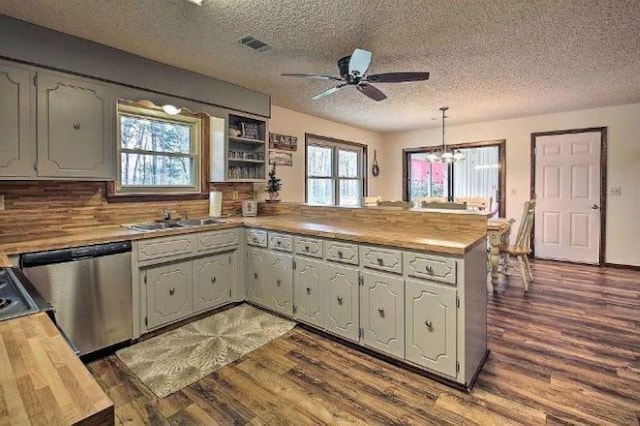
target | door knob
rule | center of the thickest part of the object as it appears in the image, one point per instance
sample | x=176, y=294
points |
x=595, y=207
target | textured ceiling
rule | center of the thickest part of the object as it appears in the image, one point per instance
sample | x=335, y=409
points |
x=489, y=59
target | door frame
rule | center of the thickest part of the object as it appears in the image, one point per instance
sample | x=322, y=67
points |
x=603, y=183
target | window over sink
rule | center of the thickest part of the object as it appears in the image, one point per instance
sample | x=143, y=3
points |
x=158, y=153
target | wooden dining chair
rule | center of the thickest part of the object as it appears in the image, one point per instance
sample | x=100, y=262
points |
x=522, y=247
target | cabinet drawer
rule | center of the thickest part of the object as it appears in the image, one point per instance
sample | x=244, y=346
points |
x=308, y=246
x=430, y=267
x=381, y=259
x=341, y=252
x=280, y=242
x=217, y=239
x=257, y=237
x=164, y=247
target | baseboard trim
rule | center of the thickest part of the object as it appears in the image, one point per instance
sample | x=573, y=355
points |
x=622, y=266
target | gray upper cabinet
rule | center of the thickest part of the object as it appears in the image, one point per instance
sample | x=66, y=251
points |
x=431, y=326
x=76, y=121
x=341, y=301
x=281, y=277
x=17, y=122
x=169, y=293
x=214, y=277
x=308, y=290
x=382, y=313
x=258, y=283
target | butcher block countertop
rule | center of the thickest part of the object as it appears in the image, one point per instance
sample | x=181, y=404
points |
x=43, y=381
x=445, y=241
x=4, y=260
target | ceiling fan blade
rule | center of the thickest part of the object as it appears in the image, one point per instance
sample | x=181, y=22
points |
x=315, y=76
x=328, y=92
x=371, y=92
x=398, y=77
x=359, y=62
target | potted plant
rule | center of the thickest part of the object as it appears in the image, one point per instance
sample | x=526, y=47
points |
x=274, y=185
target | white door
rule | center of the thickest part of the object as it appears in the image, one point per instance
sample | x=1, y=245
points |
x=567, y=186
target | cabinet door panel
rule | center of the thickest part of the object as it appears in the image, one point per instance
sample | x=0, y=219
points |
x=258, y=280
x=308, y=290
x=341, y=301
x=382, y=313
x=431, y=326
x=75, y=128
x=281, y=276
x=214, y=277
x=169, y=293
x=17, y=126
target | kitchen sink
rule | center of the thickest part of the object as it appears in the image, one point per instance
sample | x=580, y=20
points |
x=185, y=223
x=200, y=222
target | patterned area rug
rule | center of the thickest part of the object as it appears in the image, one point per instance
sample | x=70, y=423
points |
x=170, y=361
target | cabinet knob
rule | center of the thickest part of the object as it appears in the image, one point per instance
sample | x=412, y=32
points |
x=76, y=126
x=308, y=290
x=278, y=282
x=381, y=311
x=255, y=275
x=213, y=280
x=380, y=261
x=172, y=292
x=340, y=254
x=339, y=300
x=428, y=324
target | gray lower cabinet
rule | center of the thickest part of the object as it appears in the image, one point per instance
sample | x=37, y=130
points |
x=17, y=124
x=214, y=277
x=382, y=313
x=307, y=291
x=258, y=283
x=341, y=300
x=431, y=328
x=169, y=293
x=281, y=282
x=76, y=122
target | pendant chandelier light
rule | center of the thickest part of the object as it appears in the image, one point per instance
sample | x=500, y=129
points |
x=445, y=156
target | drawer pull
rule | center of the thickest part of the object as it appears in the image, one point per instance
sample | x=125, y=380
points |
x=340, y=254
x=308, y=290
x=429, y=269
x=255, y=275
x=339, y=300
x=76, y=126
x=380, y=261
x=306, y=248
x=254, y=239
x=278, y=282
x=381, y=312
x=213, y=280
x=428, y=324
x=279, y=243
x=172, y=292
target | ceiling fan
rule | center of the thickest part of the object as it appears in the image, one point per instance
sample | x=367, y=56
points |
x=353, y=73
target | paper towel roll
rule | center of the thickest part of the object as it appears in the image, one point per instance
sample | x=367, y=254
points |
x=215, y=204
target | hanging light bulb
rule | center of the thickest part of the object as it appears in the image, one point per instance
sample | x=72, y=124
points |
x=446, y=156
x=457, y=155
x=433, y=157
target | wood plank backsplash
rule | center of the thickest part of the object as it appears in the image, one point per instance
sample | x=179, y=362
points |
x=378, y=216
x=50, y=206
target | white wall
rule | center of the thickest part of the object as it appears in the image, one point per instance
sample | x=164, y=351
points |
x=287, y=122
x=623, y=123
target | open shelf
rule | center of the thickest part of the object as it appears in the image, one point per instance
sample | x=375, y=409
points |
x=245, y=140
x=241, y=160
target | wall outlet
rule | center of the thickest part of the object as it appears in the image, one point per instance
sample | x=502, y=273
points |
x=615, y=191
x=1, y=202
x=234, y=195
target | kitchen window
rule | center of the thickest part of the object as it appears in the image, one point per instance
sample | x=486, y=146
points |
x=158, y=153
x=480, y=174
x=335, y=172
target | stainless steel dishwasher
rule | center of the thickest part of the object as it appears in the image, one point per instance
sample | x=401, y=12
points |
x=89, y=289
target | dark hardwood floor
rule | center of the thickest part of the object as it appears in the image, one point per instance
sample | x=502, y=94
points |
x=566, y=353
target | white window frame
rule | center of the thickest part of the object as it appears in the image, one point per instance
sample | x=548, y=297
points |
x=335, y=178
x=195, y=124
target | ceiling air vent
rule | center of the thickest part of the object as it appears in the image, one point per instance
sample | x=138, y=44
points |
x=254, y=43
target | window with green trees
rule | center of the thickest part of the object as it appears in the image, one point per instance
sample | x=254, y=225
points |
x=159, y=153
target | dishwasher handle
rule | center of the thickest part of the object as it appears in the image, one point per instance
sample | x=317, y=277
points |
x=66, y=255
